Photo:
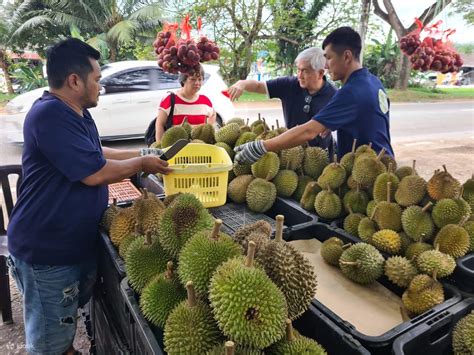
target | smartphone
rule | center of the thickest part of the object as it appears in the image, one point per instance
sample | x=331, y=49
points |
x=174, y=149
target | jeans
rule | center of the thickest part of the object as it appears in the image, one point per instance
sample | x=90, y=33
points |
x=51, y=297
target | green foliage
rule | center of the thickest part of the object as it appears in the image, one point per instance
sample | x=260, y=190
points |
x=464, y=48
x=28, y=77
x=465, y=7
x=382, y=59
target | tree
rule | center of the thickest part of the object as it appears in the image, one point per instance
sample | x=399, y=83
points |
x=4, y=60
x=465, y=7
x=390, y=16
x=103, y=22
x=364, y=24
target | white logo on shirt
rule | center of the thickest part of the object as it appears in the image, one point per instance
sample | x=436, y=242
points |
x=383, y=101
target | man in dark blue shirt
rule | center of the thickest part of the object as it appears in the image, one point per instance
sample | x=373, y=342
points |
x=301, y=97
x=359, y=110
x=52, y=234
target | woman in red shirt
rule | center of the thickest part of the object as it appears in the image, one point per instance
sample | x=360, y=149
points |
x=188, y=103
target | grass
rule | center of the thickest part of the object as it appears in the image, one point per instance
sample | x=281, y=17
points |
x=251, y=97
x=4, y=98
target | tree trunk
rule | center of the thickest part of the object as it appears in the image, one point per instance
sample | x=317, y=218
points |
x=405, y=69
x=8, y=80
x=364, y=24
x=113, y=53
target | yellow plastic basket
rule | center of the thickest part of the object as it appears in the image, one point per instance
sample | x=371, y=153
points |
x=200, y=169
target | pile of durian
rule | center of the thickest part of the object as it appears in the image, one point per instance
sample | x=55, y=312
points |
x=209, y=291
x=463, y=335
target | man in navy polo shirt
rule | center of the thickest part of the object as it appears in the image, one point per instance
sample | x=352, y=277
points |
x=302, y=96
x=359, y=110
x=52, y=234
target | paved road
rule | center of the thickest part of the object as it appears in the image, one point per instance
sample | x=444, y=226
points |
x=409, y=122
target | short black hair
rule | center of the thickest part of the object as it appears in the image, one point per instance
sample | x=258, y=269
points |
x=344, y=38
x=67, y=57
x=184, y=76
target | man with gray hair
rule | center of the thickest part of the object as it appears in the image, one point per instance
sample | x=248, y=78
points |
x=301, y=97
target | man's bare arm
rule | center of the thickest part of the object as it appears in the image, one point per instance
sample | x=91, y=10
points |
x=236, y=90
x=120, y=154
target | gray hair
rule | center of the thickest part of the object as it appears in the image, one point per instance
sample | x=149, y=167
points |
x=314, y=56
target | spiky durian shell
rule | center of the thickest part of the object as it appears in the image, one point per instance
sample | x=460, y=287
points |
x=422, y=294
x=370, y=263
x=400, y=270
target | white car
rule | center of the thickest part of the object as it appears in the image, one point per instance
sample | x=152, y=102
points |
x=132, y=91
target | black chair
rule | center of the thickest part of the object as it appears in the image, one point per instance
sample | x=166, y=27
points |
x=5, y=298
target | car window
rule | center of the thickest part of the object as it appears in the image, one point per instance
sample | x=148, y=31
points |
x=165, y=80
x=133, y=80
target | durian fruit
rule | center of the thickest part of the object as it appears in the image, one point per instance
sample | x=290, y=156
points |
x=169, y=199
x=365, y=151
x=267, y=166
x=417, y=223
x=291, y=158
x=262, y=227
x=351, y=223
x=190, y=327
x=387, y=159
x=185, y=124
x=237, y=189
x=367, y=228
x=109, y=214
x=387, y=240
x=468, y=193
x=333, y=175
x=258, y=126
x=347, y=161
x=415, y=249
x=406, y=241
x=327, y=204
x=172, y=135
x=443, y=185
x=469, y=227
x=434, y=262
x=248, y=306
x=295, y=344
x=148, y=210
x=309, y=196
x=314, y=162
x=332, y=249
x=279, y=129
x=351, y=184
x=240, y=121
x=406, y=171
x=160, y=296
x=388, y=215
x=261, y=195
x=422, y=294
x=144, y=260
x=184, y=218
x=245, y=138
x=411, y=190
x=400, y=270
x=453, y=240
x=227, y=148
x=380, y=185
x=366, y=169
x=362, y=263
x=370, y=207
x=202, y=254
x=267, y=134
x=356, y=200
x=463, y=335
x=127, y=240
x=229, y=348
x=241, y=169
x=122, y=225
x=289, y=270
x=450, y=211
x=285, y=182
x=303, y=180
x=204, y=132
x=228, y=134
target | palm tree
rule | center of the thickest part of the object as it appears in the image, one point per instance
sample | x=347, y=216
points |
x=4, y=60
x=107, y=23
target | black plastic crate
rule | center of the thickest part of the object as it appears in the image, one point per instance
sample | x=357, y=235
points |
x=142, y=338
x=433, y=336
x=375, y=344
x=106, y=339
x=463, y=276
x=235, y=215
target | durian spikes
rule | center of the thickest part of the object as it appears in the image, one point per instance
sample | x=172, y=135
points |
x=169, y=273
x=147, y=238
x=136, y=229
x=428, y=205
x=250, y=253
x=461, y=191
x=389, y=185
x=289, y=331
x=278, y=124
x=354, y=143
x=191, y=294
x=229, y=348
x=279, y=228
x=216, y=229
x=382, y=152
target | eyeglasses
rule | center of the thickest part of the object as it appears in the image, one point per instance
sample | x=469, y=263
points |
x=307, y=107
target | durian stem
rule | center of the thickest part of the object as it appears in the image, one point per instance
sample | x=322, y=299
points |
x=279, y=228
x=444, y=167
x=229, y=348
x=145, y=193
x=248, y=121
x=216, y=229
x=428, y=205
x=250, y=254
x=463, y=220
x=461, y=191
x=373, y=213
x=136, y=228
x=354, y=143
x=191, y=294
x=259, y=116
x=345, y=246
x=389, y=192
x=334, y=158
x=370, y=145
x=352, y=263
x=289, y=331
x=114, y=202
x=307, y=190
x=435, y=274
x=414, y=164
x=278, y=124
x=169, y=270
x=390, y=167
x=382, y=152
x=350, y=209
x=147, y=238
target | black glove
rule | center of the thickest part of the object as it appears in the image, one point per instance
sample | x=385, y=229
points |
x=249, y=152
